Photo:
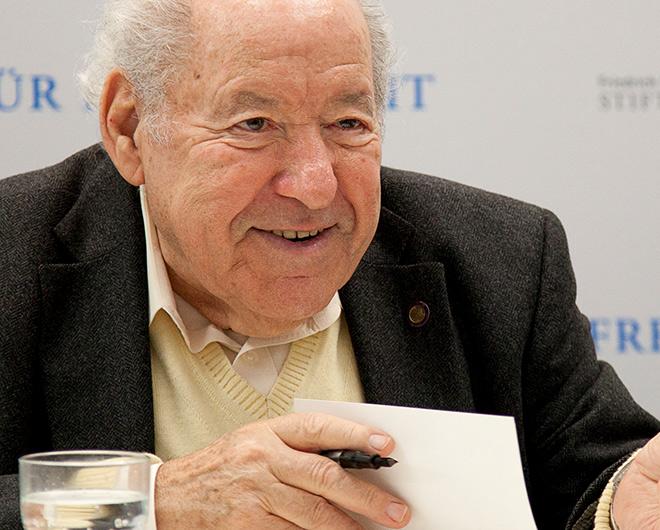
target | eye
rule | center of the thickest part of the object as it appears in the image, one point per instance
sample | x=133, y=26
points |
x=350, y=123
x=254, y=124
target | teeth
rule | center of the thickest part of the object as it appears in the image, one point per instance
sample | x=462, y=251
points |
x=294, y=234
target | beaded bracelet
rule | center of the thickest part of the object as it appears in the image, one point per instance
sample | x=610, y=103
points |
x=604, y=520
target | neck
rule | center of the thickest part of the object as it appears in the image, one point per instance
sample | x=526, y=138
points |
x=233, y=317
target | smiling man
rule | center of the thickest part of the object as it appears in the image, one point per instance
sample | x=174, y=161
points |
x=235, y=243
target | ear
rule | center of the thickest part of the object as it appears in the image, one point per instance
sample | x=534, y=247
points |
x=119, y=120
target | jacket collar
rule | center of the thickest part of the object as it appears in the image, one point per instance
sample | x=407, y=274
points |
x=106, y=213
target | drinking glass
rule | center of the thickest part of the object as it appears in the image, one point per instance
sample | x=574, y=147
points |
x=95, y=490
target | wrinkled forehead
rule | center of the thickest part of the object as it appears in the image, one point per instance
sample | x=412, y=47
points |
x=323, y=32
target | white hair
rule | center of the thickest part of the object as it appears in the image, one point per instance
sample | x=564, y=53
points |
x=150, y=40
x=382, y=51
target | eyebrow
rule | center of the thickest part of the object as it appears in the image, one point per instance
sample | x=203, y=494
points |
x=249, y=100
x=246, y=100
x=363, y=101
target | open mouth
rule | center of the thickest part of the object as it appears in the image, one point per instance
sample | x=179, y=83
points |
x=295, y=235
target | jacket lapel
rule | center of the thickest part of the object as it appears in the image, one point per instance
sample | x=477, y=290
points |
x=400, y=364
x=95, y=361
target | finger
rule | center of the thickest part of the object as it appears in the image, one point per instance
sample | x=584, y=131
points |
x=323, y=477
x=314, y=432
x=306, y=510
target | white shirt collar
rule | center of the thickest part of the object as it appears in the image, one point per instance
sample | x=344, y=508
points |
x=195, y=328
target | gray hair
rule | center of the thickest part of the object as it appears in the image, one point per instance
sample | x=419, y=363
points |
x=150, y=40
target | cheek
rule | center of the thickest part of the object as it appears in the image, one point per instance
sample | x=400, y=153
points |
x=360, y=184
x=215, y=186
x=229, y=175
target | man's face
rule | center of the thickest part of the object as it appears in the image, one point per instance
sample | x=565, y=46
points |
x=268, y=194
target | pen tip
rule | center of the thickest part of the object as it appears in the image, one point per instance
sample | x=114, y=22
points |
x=389, y=462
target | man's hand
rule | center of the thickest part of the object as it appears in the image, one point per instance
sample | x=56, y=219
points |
x=637, y=499
x=267, y=476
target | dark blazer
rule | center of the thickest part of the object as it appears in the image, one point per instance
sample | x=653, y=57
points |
x=504, y=335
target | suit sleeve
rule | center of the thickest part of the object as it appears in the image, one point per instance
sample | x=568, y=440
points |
x=580, y=420
x=10, y=516
x=22, y=420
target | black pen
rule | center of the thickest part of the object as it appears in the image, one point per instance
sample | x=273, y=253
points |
x=357, y=459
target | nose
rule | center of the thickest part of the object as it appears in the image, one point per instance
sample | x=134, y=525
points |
x=308, y=174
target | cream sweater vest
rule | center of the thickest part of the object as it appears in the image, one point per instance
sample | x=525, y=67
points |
x=199, y=397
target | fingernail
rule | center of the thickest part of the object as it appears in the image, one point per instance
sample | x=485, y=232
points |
x=397, y=511
x=378, y=441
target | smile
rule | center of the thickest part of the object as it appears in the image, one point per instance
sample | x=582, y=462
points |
x=295, y=235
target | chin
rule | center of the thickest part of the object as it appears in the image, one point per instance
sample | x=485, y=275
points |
x=297, y=299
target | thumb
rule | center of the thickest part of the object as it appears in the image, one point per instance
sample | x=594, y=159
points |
x=648, y=459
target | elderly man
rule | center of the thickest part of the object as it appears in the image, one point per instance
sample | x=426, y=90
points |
x=281, y=260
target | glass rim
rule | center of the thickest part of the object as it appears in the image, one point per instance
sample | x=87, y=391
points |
x=77, y=458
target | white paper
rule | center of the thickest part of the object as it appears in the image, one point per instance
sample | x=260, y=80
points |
x=456, y=471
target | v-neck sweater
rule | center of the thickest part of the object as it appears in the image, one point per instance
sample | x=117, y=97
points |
x=198, y=397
